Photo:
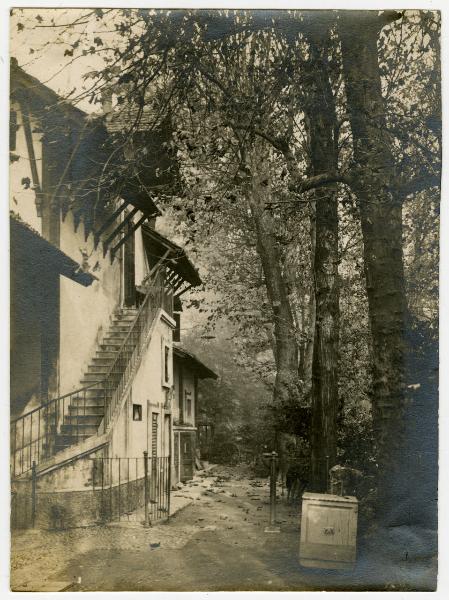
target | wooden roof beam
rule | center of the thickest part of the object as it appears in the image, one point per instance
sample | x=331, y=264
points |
x=128, y=234
x=183, y=291
x=119, y=227
x=159, y=263
x=178, y=284
x=109, y=222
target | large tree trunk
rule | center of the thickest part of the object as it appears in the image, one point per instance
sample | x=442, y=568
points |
x=381, y=219
x=320, y=114
x=286, y=354
x=311, y=315
x=286, y=346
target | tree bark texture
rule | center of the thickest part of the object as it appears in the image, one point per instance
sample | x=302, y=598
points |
x=311, y=314
x=320, y=115
x=381, y=220
x=286, y=355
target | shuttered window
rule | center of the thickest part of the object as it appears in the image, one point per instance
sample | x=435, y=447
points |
x=154, y=433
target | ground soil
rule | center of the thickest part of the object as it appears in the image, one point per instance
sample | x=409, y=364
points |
x=216, y=542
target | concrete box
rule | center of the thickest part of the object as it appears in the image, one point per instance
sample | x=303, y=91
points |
x=328, y=531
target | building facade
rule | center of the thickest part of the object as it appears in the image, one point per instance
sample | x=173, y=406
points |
x=93, y=290
x=187, y=371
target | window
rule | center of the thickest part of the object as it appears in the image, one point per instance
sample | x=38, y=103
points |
x=188, y=405
x=166, y=358
x=177, y=330
x=154, y=432
x=137, y=412
x=166, y=364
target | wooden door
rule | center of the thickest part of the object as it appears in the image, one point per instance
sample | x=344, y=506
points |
x=187, y=443
x=177, y=476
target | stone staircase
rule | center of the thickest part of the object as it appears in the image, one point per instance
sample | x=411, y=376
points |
x=85, y=412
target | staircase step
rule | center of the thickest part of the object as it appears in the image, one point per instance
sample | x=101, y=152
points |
x=105, y=347
x=106, y=354
x=97, y=394
x=102, y=369
x=90, y=378
x=113, y=340
x=103, y=360
x=77, y=420
x=97, y=391
x=91, y=409
x=81, y=402
x=117, y=330
x=122, y=322
x=119, y=325
x=78, y=429
x=120, y=328
x=126, y=312
x=115, y=335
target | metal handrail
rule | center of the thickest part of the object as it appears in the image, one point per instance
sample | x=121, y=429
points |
x=131, y=357
x=72, y=393
x=46, y=404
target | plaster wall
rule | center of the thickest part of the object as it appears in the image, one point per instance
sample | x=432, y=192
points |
x=85, y=312
x=175, y=404
x=65, y=497
x=130, y=438
x=23, y=201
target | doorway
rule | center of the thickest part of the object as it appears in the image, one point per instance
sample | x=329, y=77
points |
x=129, y=274
x=187, y=448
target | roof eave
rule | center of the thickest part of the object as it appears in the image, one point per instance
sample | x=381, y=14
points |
x=44, y=93
x=203, y=371
x=50, y=255
x=190, y=273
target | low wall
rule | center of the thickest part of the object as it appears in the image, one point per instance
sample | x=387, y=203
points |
x=66, y=510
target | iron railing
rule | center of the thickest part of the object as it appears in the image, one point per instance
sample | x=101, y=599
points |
x=123, y=489
x=58, y=423
x=39, y=434
x=132, y=489
x=130, y=351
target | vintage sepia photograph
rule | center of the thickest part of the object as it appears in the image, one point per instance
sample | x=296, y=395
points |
x=224, y=299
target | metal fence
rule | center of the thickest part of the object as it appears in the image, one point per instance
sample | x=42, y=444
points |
x=133, y=489
x=123, y=489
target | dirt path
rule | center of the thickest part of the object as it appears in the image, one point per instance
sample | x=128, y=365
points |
x=216, y=543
